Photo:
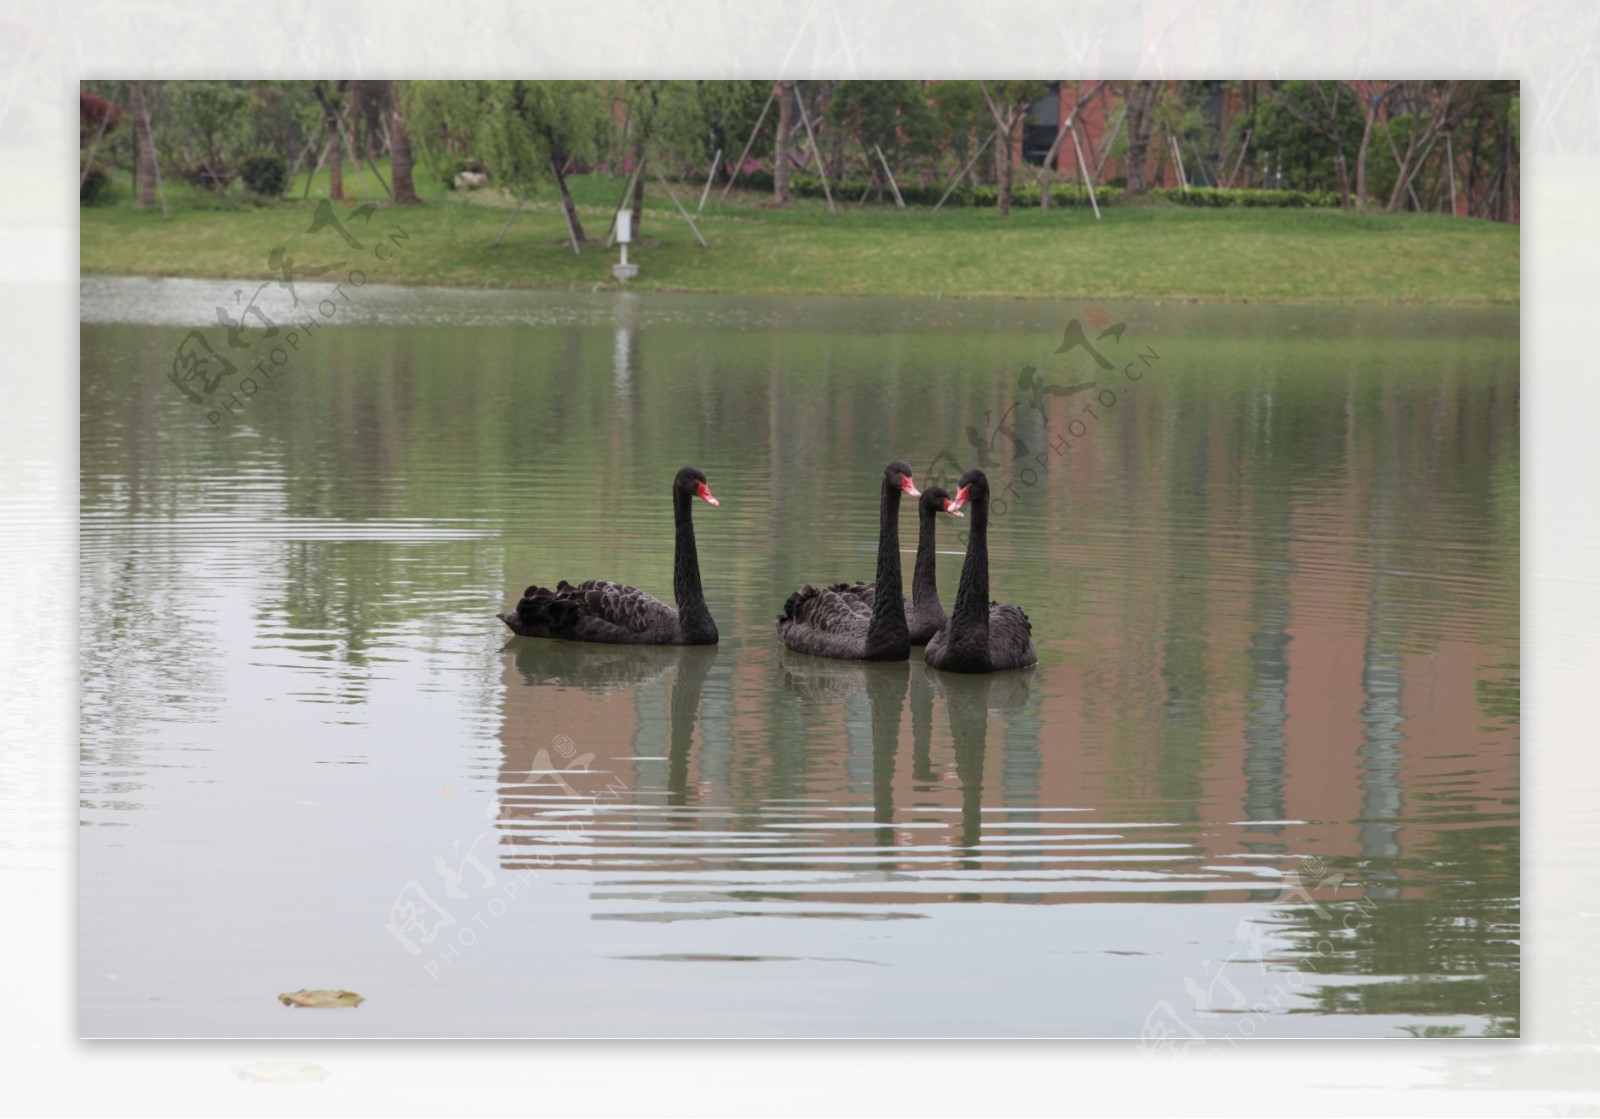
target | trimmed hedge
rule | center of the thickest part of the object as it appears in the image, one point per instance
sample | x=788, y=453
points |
x=1024, y=195
x=917, y=194
x=1217, y=197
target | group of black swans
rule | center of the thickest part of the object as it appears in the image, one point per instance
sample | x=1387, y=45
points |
x=850, y=621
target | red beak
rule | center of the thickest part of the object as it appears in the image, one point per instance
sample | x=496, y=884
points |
x=962, y=497
x=905, y=484
x=703, y=492
x=953, y=509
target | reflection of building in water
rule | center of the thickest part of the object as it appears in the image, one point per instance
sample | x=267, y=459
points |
x=1274, y=671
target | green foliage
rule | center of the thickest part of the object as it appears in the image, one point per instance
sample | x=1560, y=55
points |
x=893, y=115
x=689, y=122
x=96, y=188
x=1218, y=197
x=283, y=117
x=928, y=194
x=206, y=126
x=264, y=173
x=960, y=118
x=515, y=127
x=1305, y=155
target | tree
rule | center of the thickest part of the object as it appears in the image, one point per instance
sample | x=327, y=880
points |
x=1430, y=114
x=962, y=118
x=893, y=116
x=1317, y=106
x=405, y=190
x=1374, y=94
x=1009, y=102
x=209, y=121
x=780, y=159
x=1292, y=129
x=523, y=131
x=1140, y=98
x=334, y=155
x=141, y=101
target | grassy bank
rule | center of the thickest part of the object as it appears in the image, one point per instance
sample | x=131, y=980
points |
x=1156, y=251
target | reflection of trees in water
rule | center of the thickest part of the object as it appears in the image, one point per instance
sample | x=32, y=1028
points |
x=146, y=645
x=1454, y=952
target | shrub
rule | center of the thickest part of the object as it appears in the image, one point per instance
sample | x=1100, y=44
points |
x=1218, y=197
x=96, y=188
x=264, y=173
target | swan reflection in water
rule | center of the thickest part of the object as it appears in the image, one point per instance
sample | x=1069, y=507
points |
x=618, y=672
x=838, y=682
x=969, y=700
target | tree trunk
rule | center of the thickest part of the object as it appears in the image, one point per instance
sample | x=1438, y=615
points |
x=1341, y=169
x=334, y=156
x=1361, y=153
x=405, y=190
x=557, y=162
x=1140, y=119
x=1341, y=172
x=1507, y=203
x=144, y=148
x=638, y=200
x=786, y=119
x=1002, y=172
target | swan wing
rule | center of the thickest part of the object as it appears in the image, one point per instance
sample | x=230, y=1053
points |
x=1010, y=637
x=858, y=596
x=594, y=610
x=619, y=605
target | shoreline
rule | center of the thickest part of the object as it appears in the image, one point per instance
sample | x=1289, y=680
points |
x=613, y=288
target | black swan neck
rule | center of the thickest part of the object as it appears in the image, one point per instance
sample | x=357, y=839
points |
x=925, y=576
x=971, y=611
x=888, y=625
x=693, y=616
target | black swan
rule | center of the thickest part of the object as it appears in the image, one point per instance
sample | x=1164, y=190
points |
x=924, y=614
x=617, y=614
x=829, y=623
x=982, y=636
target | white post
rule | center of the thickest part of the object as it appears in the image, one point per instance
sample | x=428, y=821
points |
x=624, y=272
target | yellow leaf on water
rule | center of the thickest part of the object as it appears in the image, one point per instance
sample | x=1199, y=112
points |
x=321, y=1000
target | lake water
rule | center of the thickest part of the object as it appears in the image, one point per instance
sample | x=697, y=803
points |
x=1264, y=780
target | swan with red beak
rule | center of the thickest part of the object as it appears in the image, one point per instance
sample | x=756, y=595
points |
x=981, y=636
x=833, y=622
x=616, y=614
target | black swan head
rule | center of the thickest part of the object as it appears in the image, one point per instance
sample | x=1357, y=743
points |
x=973, y=484
x=937, y=499
x=691, y=482
x=898, y=474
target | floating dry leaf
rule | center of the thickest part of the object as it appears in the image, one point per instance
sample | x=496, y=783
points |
x=321, y=1000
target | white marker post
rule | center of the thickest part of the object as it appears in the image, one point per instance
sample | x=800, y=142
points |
x=624, y=271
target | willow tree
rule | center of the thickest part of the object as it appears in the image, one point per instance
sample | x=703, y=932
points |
x=523, y=132
x=682, y=124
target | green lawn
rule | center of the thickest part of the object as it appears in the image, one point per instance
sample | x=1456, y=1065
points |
x=1154, y=251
